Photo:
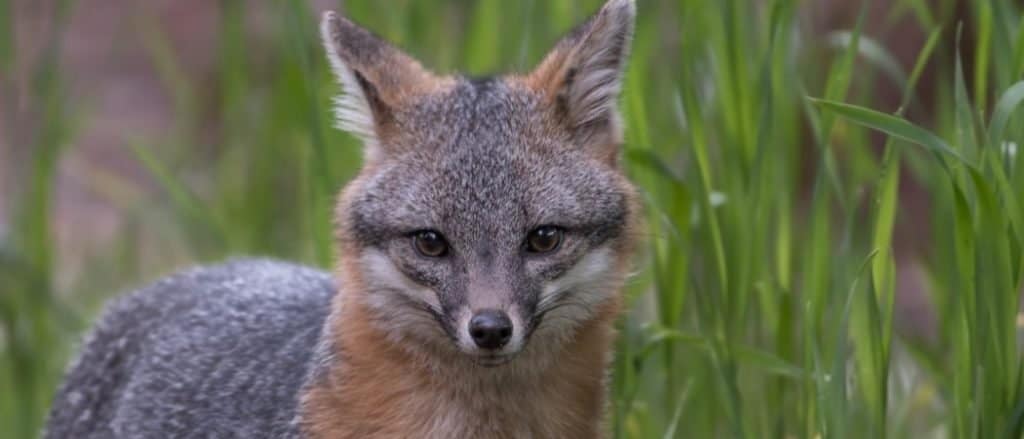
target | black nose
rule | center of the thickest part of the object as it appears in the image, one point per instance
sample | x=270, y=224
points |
x=490, y=329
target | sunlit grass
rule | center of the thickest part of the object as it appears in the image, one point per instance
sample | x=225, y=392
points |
x=763, y=304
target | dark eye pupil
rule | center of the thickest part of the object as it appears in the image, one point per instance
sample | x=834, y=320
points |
x=430, y=244
x=544, y=239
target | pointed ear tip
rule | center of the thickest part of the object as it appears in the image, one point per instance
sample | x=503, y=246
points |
x=328, y=23
x=627, y=7
x=336, y=29
x=329, y=17
x=625, y=4
x=335, y=22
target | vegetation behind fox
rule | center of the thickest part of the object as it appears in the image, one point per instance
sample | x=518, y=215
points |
x=482, y=249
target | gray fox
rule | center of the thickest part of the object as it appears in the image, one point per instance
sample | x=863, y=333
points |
x=482, y=252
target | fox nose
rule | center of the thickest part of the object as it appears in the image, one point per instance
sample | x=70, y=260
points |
x=490, y=329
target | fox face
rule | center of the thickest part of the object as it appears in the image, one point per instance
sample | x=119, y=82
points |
x=491, y=219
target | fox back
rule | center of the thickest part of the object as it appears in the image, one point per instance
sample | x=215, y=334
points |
x=482, y=250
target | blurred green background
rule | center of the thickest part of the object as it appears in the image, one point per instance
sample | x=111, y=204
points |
x=833, y=190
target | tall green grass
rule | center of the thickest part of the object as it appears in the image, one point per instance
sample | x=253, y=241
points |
x=763, y=304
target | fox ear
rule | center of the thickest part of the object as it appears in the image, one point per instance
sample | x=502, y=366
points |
x=582, y=76
x=377, y=80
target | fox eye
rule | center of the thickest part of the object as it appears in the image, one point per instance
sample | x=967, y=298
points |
x=430, y=243
x=544, y=239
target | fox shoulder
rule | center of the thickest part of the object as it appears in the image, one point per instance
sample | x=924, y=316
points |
x=195, y=344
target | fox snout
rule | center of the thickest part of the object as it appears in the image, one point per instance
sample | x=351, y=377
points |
x=491, y=336
x=490, y=329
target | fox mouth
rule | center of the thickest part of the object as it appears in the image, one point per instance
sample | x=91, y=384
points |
x=493, y=360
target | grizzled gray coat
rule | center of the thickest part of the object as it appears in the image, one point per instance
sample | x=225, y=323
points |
x=255, y=349
x=218, y=352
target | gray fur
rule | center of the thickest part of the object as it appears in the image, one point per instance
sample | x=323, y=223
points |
x=218, y=352
x=225, y=351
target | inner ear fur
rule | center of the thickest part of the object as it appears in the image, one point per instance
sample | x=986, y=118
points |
x=378, y=80
x=581, y=78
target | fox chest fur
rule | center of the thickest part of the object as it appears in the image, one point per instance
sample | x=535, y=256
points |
x=456, y=400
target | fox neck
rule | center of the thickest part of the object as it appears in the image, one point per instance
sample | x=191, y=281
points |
x=381, y=389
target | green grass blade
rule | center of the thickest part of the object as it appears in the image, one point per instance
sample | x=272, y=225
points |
x=1005, y=107
x=893, y=126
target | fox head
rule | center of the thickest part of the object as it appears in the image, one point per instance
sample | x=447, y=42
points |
x=491, y=219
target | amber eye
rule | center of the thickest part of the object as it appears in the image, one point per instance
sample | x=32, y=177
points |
x=430, y=244
x=544, y=239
